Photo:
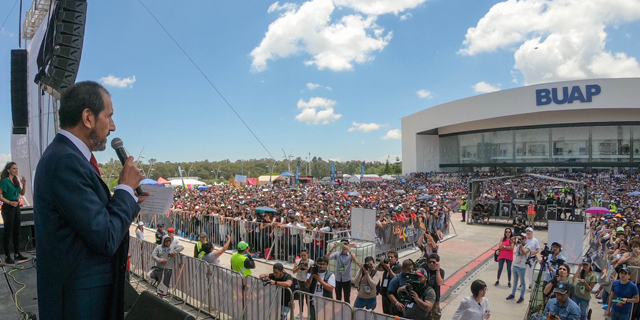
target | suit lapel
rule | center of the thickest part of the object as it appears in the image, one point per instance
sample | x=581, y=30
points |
x=64, y=140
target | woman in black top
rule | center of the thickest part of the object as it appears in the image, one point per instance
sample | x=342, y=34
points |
x=10, y=193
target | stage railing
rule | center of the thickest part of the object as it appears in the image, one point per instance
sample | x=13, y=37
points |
x=225, y=294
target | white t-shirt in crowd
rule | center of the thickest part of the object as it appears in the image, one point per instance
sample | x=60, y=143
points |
x=140, y=234
x=211, y=258
x=319, y=289
x=533, y=245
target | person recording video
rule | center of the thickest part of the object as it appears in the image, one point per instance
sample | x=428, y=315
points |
x=562, y=276
x=417, y=296
x=320, y=282
x=561, y=307
x=390, y=267
x=521, y=252
x=366, y=285
x=555, y=259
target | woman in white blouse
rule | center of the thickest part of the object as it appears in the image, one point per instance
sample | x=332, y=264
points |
x=475, y=306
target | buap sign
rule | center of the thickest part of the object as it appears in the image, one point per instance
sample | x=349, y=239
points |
x=547, y=96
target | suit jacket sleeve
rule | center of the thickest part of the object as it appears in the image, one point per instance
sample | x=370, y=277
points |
x=101, y=227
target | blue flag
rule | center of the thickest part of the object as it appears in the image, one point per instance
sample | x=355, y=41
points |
x=297, y=172
x=362, y=172
x=333, y=173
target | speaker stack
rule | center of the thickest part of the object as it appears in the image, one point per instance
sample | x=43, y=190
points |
x=60, y=52
x=19, y=106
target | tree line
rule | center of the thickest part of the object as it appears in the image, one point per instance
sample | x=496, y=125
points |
x=221, y=171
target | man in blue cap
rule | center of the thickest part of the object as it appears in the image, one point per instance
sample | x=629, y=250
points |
x=624, y=294
x=160, y=233
x=561, y=307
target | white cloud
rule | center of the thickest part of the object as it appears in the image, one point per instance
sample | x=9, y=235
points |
x=317, y=111
x=485, y=87
x=392, y=135
x=365, y=127
x=312, y=86
x=406, y=16
x=422, y=93
x=309, y=29
x=558, y=39
x=4, y=159
x=379, y=7
x=111, y=81
x=285, y=7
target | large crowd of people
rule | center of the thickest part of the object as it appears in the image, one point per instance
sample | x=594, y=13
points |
x=328, y=207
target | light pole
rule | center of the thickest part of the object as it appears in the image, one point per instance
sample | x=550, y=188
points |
x=189, y=172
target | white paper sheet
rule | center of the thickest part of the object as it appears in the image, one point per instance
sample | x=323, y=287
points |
x=158, y=202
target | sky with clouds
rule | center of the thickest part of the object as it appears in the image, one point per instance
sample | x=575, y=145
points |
x=330, y=77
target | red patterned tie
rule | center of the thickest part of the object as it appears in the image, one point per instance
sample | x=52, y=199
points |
x=94, y=163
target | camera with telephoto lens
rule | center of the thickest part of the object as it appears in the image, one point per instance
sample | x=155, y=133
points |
x=387, y=260
x=546, y=251
x=367, y=266
x=314, y=269
x=265, y=281
x=412, y=283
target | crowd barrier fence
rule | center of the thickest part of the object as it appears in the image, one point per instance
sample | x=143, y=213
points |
x=283, y=243
x=226, y=294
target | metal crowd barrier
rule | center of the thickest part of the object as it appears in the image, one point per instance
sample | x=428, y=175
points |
x=282, y=243
x=226, y=294
x=321, y=308
x=363, y=314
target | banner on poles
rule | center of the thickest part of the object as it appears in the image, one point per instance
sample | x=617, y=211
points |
x=333, y=173
x=362, y=172
x=297, y=172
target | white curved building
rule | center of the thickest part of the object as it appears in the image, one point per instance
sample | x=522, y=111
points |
x=575, y=124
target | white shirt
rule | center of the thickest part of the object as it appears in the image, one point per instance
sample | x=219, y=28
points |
x=470, y=309
x=533, y=245
x=140, y=234
x=87, y=154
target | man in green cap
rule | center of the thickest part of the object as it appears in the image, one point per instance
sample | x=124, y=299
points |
x=242, y=261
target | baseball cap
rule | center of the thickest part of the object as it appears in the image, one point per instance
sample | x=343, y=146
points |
x=141, y=223
x=586, y=260
x=172, y=230
x=203, y=234
x=278, y=266
x=562, y=288
x=620, y=230
x=421, y=272
x=242, y=246
x=624, y=268
x=345, y=241
x=160, y=224
x=529, y=229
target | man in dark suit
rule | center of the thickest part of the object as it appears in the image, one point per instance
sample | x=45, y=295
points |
x=83, y=230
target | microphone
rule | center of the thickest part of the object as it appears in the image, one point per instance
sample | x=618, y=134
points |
x=118, y=146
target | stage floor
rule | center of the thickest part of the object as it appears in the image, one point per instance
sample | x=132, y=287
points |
x=24, y=273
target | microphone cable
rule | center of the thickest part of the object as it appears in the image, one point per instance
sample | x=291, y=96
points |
x=206, y=78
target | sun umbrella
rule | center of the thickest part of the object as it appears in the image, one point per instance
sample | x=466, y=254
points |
x=426, y=197
x=148, y=181
x=202, y=187
x=634, y=194
x=265, y=209
x=383, y=184
x=597, y=210
x=400, y=192
x=421, y=187
x=354, y=194
x=436, y=185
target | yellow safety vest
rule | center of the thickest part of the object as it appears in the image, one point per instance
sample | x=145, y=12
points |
x=200, y=252
x=464, y=205
x=237, y=264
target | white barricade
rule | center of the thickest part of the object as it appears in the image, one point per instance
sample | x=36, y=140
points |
x=263, y=302
x=321, y=308
x=363, y=314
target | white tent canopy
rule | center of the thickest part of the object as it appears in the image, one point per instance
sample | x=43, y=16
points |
x=193, y=182
x=387, y=177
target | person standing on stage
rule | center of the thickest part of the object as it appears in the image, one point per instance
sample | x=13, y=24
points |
x=76, y=216
x=11, y=192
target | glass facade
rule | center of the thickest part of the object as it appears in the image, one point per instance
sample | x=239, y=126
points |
x=560, y=146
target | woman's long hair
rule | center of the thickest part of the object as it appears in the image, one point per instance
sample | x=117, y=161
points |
x=5, y=174
x=504, y=237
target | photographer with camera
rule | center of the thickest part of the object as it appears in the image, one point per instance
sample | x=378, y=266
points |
x=397, y=282
x=561, y=307
x=562, y=276
x=321, y=282
x=435, y=277
x=366, y=285
x=555, y=259
x=301, y=269
x=390, y=267
x=521, y=252
x=343, y=269
x=417, y=296
x=281, y=279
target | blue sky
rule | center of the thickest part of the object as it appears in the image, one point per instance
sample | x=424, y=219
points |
x=301, y=73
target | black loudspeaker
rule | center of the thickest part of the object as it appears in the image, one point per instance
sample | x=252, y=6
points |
x=130, y=296
x=19, y=106
x=150, y=306
x=59, y=56
x=551, y=215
